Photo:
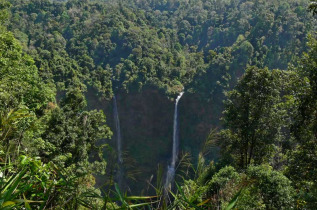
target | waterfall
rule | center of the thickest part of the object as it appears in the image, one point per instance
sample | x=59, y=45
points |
x=171, y=168
x=118, y=130
x=120, y=173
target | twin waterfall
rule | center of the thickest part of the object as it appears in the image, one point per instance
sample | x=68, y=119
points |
x=171, y=168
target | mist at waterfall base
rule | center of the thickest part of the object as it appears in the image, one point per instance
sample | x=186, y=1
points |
x=171, y=168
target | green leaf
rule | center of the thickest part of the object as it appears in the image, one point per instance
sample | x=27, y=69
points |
x=233, y=201
x=8, y=203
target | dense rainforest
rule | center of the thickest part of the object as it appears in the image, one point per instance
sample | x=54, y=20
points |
x=158, y=104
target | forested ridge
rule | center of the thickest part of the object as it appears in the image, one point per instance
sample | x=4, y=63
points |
x=248, y=71
x=137, y=44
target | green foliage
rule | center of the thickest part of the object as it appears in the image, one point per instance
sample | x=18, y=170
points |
x=132, y=44
x=267, y=189
x=313, y=7
x=302, y=159
x=260, y=187
x=27, y=181
x=30, y=122
x=251, y=118
x=222, y=178
x=30, y=184
x=4, y=14
x=70, y=135
x=49, y=150
x=19, y=79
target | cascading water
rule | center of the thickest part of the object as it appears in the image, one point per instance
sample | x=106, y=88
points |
x=118, y=130
x=171, y=168
x=120, y=173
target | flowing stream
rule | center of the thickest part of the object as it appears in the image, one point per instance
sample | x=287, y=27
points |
x=171, y=168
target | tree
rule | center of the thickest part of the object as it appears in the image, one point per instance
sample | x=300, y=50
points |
x=71, y=135
x=313, y=7
x=266, y=189
x=301, y=167
x=251, y=118
x=19, y=79
x=304, y=127
x=4, y=14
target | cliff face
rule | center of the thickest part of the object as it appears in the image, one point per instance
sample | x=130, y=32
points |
x=146, y=120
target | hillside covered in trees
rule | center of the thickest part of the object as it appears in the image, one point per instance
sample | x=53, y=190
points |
x=158, y=104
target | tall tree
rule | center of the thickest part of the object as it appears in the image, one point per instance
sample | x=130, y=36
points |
x=304, y=158
x=313, y=7
x=71, y=135
x=251, y=118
